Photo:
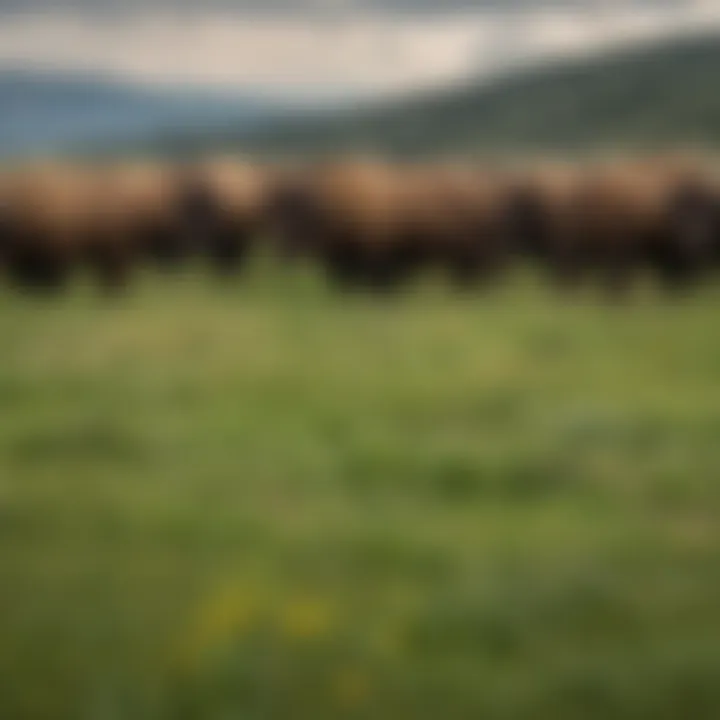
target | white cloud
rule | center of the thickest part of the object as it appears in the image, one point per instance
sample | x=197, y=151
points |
x=347, y=51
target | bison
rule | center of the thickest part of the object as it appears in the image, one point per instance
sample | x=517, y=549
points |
x=60, y=218
x=455, y=218
x=222, y=207
x=350, y=215
x=646, y=215
x=45, y=225
x=539, y=219
x=143, y=200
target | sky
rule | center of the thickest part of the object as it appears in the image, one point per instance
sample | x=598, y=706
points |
x=326, y=48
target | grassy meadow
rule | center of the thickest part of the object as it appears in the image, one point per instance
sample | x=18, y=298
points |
x=268, y=501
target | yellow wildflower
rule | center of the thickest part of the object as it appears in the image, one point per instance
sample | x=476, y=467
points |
x=306, y=619
x=226, y=616
x=351, y=688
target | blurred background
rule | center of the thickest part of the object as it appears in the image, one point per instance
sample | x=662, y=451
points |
x=404, y=75
x=261, y=499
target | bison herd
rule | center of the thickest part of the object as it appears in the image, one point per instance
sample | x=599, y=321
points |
x=370, y=224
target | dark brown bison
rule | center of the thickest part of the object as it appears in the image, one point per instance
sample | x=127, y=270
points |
x=376, y=224
x=222, y=207
x=539, y=219
x=616, y=219
x=351, y=215
x=60, y=218
x=144, y=202
x=646, y=215
x=294, y=211
x=46, y=225
x=4, y=209
x=455, y=218
x=691, y=247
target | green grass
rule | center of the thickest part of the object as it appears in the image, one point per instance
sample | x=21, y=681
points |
x=268, y=501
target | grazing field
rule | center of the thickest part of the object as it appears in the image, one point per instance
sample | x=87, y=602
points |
x=270, y=501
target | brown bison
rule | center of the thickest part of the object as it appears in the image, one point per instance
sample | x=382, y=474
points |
x=646, y=215
x=374, y=224
x=46, y=225
x=4, y=208
x=351, y=215
x=455, y=218
x=615, y=219
x=539, y=219
x=57, y=219
x=222, y=206
x=144, y=202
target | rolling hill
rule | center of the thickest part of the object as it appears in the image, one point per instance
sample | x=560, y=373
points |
x=656, y=95
x=46, y=112
x=643, y=97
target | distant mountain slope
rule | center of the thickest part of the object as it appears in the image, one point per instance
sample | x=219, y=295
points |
x=642, y=97
x=45, y=112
